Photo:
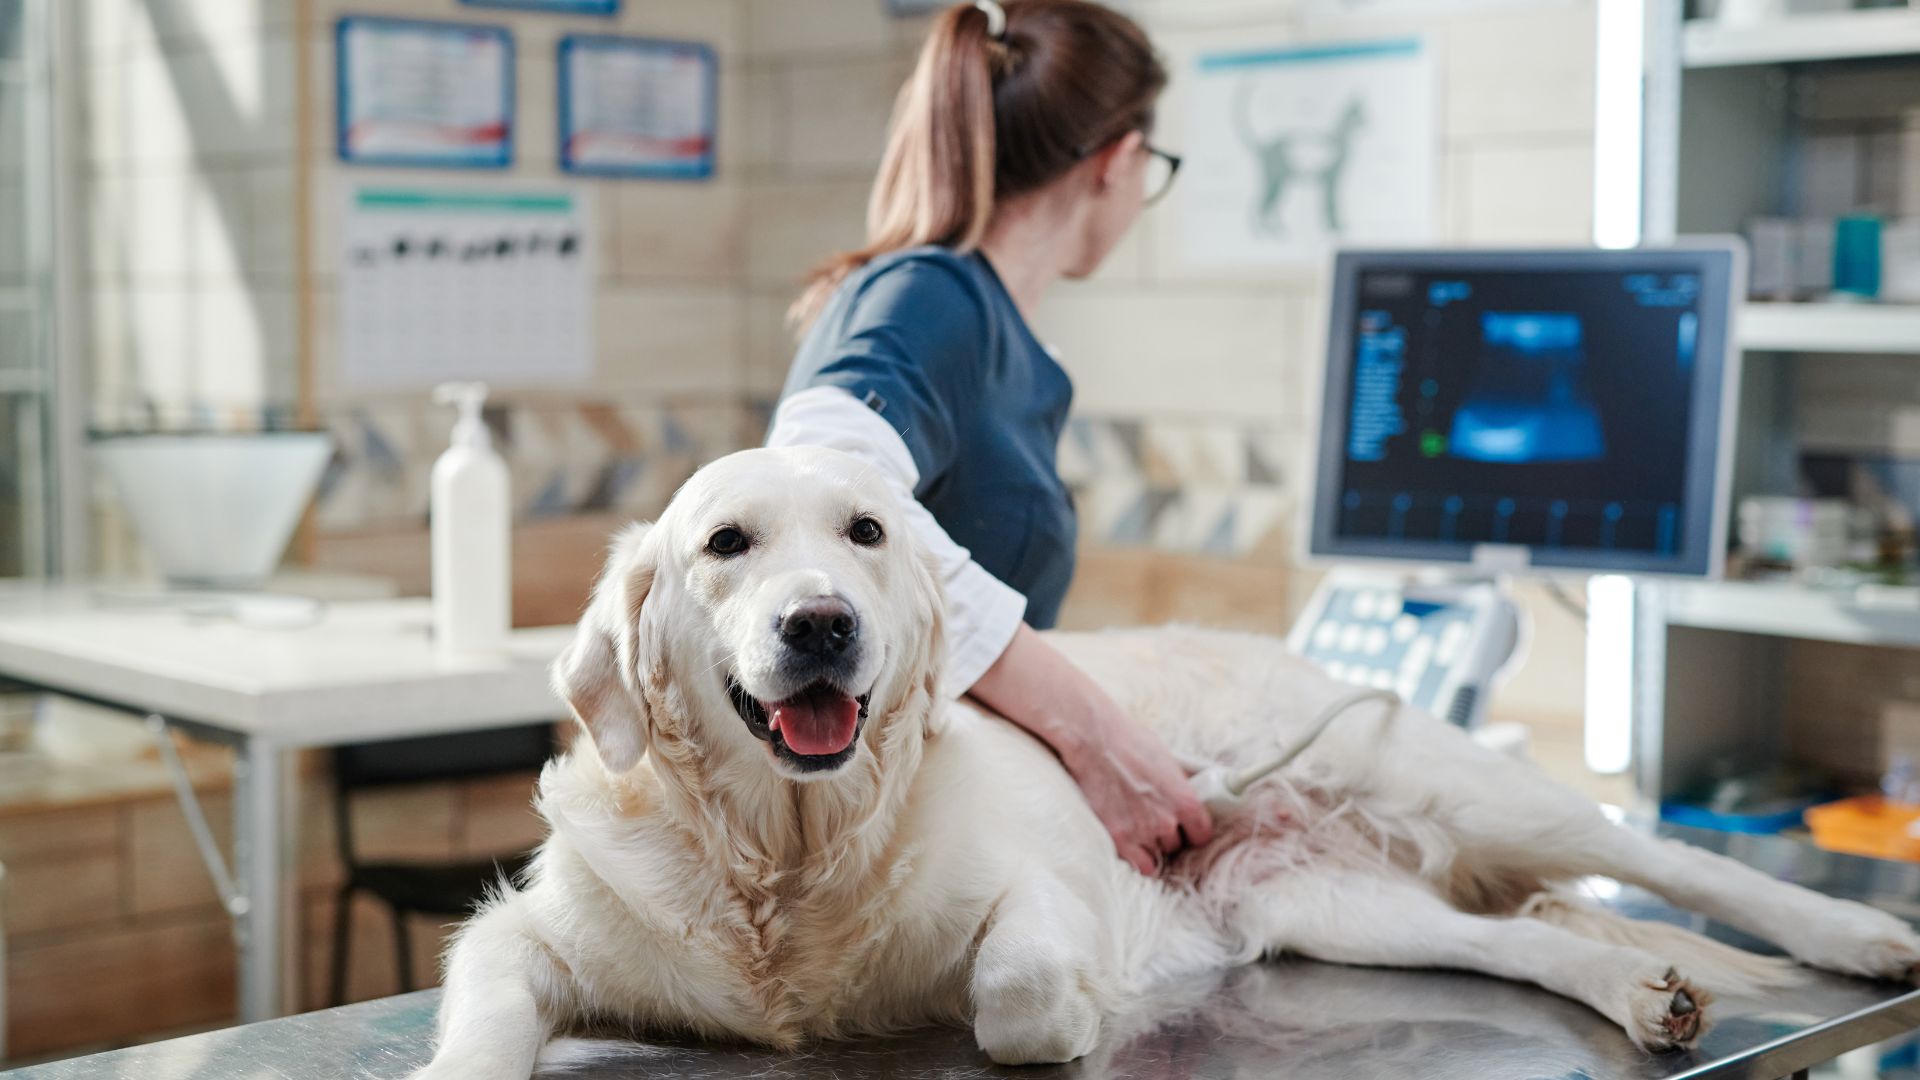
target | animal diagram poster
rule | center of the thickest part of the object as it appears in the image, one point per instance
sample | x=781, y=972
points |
x=1295, y=151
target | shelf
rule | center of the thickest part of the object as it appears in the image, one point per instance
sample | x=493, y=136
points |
x=1833, y=328
x=1871, y=615
x=1800, y=38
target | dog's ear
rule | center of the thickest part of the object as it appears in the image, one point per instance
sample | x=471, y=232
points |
x=597, y=676
x=931, y=598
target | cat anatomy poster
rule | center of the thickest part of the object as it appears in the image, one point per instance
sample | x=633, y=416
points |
x=1293, y=151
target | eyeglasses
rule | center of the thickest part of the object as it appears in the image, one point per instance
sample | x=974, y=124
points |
x=1162, y=167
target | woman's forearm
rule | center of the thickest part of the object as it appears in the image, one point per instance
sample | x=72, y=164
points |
x=1036, y=687
x=1129, y=779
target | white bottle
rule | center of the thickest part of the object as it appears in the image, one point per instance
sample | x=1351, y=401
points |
x=472, y=526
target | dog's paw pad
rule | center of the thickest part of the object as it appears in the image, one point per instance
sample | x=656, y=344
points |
x=1670, y=1013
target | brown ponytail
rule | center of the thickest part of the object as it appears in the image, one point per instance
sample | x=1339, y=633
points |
x=984, y=118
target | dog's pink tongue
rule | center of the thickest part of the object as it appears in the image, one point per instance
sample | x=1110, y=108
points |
x=817, y=722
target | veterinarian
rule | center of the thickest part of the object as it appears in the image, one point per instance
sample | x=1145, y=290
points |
x=1019, y=154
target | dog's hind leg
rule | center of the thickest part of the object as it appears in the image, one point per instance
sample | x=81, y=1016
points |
x=1391, y=920
x=1815, y=929
x=498, y=1007
x=1518, y=823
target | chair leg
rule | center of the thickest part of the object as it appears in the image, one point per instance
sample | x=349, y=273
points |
x=403, y=943
x=342, y=945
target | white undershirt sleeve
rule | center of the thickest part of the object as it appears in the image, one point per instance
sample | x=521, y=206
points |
x=982, y=611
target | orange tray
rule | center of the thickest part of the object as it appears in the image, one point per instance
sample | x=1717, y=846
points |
x=1868, y=825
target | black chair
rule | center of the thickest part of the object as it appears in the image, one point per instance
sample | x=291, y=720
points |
x=427, y=888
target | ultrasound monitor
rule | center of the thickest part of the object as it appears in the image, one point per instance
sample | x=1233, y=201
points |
x=1561, y=410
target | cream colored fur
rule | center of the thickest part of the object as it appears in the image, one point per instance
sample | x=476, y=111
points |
x=950, y=873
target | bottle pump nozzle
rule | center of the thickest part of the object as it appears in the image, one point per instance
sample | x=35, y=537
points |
x=468, y=397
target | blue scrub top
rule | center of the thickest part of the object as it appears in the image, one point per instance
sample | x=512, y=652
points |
x=932, y=341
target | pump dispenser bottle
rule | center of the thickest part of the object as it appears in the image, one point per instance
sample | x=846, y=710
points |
x=472, y=526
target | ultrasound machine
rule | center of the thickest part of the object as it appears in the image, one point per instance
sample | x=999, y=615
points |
x=1490, y=415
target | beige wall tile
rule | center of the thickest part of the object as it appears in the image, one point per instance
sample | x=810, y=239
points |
x=1133, y=351
x=165, y=868
x=685, y=232
x=716, y=22
x=770, y=345
x=58, y=833
x=118, y=986
x=497, y=816
x=1522, y=71
x=63, y=868
x=669, y=340
x=782, y=27
x=371, y=968
x=1536, y=192
x=536, y=122
x=765, y=112
x=414, y=822
x=837, y=114
x=794, y=225
x=63, y=894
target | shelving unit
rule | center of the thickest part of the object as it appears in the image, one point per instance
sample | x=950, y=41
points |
x=1830, y=328
x=1802, y=38
x=1729, y=113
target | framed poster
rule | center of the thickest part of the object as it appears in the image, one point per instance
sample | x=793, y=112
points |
x=490, y=283
x=558, y=7
x=637, y=107
x=1294, y=151
x=428, y=94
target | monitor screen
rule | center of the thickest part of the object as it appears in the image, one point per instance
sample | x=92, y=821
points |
x=1551, y=409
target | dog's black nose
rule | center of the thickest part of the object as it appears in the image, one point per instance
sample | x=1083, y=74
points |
x=820, y=627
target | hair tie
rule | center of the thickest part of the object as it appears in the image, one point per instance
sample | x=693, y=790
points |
x=996, y=18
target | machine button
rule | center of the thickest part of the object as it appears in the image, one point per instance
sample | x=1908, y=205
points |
x=1404, y=628
x=1325, y=634
x=1454, y=636
x=1376, y=641
x=1350, y=636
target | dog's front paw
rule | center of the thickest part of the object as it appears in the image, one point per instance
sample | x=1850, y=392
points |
x=1035, y=1017
x=1855, y=939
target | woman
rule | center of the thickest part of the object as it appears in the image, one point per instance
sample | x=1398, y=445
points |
x=1018, y=155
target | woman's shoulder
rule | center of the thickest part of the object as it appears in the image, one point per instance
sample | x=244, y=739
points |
x=918, y=273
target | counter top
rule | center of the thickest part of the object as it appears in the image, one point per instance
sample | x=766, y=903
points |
x=1290, y=1018
x=358, y=670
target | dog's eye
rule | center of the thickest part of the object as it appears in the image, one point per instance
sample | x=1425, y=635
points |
x=866, y=532
x=726, y=542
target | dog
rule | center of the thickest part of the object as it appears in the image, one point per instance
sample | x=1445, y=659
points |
x=777, y=830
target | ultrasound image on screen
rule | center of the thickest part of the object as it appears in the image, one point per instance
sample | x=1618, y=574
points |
x=1549, y=410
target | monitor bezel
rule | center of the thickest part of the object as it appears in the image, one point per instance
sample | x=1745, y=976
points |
x=1721, y=263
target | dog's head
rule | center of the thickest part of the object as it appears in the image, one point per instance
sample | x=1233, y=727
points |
x=778, y=603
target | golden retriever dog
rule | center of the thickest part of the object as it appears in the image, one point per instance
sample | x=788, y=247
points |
x=779, y=831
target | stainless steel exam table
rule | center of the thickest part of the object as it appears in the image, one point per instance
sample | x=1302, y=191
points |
x=1284, y=1019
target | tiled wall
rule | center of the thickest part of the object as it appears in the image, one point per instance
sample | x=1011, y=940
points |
x=186, y=163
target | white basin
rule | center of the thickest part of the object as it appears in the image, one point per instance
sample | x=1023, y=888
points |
x=215, y=509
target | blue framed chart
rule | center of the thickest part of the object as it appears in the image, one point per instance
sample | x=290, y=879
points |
x=637, y=107
x=431, y=94
x=561, y=7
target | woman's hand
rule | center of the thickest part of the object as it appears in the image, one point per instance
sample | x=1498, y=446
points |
x=1133, y=784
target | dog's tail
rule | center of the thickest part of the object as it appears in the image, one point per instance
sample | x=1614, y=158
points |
x=561, y=1056
x=1718, y=967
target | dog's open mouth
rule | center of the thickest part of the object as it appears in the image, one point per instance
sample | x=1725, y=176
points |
x=817, y=728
